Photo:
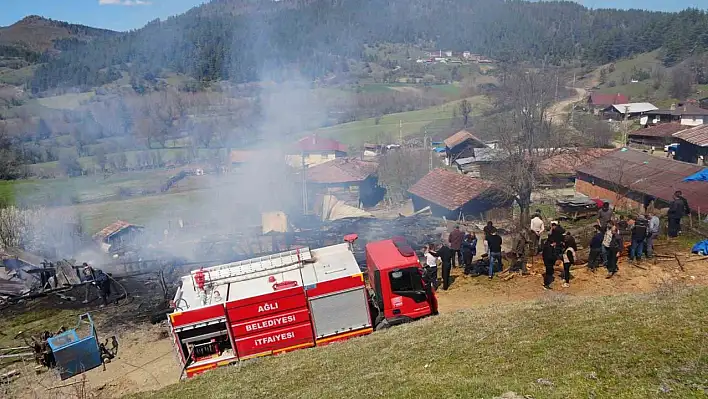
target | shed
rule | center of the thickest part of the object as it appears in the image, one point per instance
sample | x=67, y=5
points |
x=461, y=145
x=634, y=178
x=693, y=145
x=116, y=235
x=598, y=101
x=655, y=136
x=346, y=174
x=454, y=195
x=632, y=110
x=313, y=150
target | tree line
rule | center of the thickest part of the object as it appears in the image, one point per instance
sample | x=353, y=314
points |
x=212, y=42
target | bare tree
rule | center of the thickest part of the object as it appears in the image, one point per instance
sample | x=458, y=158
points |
x=465, y=110
x=399, y=170
x=658, y=76
x=681, y=83
x=527, y=135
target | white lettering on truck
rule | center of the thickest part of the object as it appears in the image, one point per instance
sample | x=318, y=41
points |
x=268, y=307
x=274, y=338
x=270, y=323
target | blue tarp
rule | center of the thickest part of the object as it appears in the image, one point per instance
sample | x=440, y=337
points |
x=439, y=149
x=700, y=248
x=700, y=176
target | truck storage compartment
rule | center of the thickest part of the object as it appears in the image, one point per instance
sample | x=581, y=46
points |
x=340, y=312
x=205, y=345
x=268, y=304
x=280, y=320
x=275, y=341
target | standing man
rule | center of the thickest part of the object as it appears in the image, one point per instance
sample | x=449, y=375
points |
x=487, y=232
x=446, y=257
x=595, y=256
x=677, y=210
x=537, y=228
x=495, y=243
x=549, y=261
x=604, y=215
x=100, y=279
x=456, y=237
x=469, y=250
x=431, y=263
x=557, y=235
x=520, y=251
x=613, y=249
x=639, y=235
x=652, y=233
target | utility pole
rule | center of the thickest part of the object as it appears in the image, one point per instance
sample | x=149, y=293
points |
x=555, y=98
x=304, y=185
x=400, y=132
x=625, y=135
x=572, y=106
x=425, y=145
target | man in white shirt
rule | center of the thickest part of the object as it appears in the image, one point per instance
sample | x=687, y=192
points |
x=431, y=263
x=652, y=233
x=537, y=228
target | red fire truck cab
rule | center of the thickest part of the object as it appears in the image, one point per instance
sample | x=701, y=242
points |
x=294, y=299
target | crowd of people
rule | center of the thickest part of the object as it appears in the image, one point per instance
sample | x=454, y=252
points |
x=611, y=231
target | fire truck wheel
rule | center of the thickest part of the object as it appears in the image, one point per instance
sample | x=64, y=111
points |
x=382, y=325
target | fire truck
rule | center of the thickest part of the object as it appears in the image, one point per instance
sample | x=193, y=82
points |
x=295, y=299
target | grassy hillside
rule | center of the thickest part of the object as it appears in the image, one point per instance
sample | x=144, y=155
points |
x=386, y=129
x=617, y=347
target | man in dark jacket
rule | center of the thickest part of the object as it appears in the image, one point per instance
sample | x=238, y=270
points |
x=456, y=237
x=100, y=280
x=595, y=256
x=677, y=210
x=639, y=236
x=495, y=243
x=549, y=261
x=446, y=255
x=557, y=235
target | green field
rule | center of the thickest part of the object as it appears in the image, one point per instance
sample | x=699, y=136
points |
x=66, y=101
x=387, y=129
x=640, y=346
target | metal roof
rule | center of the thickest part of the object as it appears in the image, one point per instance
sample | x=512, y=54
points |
x=113, y=228
x=608, y=99
x=341, y=170
x=459, y=138
x=635, y=108
x=644, y=173
x=661, y=130
x=314, y=143
x=696, y=135
x=449, y=189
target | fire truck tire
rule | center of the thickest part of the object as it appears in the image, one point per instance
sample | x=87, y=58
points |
x=382, y=325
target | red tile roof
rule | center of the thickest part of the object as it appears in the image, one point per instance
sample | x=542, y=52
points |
x=459, y=138
x=449, y=189
x=696, y=135
x=341, y=170
x=567, y=162
x=643, y=173
x=608, y=99
x=112, y=229
x=313, y=143
x=661, y=130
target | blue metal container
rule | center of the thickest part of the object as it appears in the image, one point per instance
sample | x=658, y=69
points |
x=77, y=350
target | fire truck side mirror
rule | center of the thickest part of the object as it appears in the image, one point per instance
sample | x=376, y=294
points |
x=350, y=238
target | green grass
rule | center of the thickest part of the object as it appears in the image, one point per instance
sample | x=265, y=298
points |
x=17, y=77
x=387, y=130
x=66, y=101
x=613, y=347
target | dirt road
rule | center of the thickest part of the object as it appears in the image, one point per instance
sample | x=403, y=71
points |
x=559, y=111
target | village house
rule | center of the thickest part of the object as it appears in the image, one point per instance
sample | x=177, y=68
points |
x=561, y=170
x=693, y=145
x=597, y=102
x=628, y=111
x=633, y=179
x=117, y=235
x=657, y=136
x=313, y=150
x=456, y=196
x=349, y=179
x=461, y=145
x=480, y=163
x=685, y=114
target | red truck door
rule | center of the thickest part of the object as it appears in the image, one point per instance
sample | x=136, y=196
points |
x=408, y=297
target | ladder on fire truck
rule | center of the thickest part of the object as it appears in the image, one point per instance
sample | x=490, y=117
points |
x=255, y=267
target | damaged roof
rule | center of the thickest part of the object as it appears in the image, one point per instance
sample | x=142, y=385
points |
x=341, y=170
x=644, y=173
x=449, y=189
x=696, y=135
x=459, y=138
x=113, y=228
x=661, y=130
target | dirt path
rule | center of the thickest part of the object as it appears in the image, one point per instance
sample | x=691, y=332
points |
x=558, y=111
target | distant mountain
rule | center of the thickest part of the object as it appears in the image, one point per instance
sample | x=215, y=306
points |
x=35, y=39
x=39, y=34
x=246, y=40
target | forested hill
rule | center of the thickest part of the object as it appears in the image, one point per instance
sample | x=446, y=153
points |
x=243, y=40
